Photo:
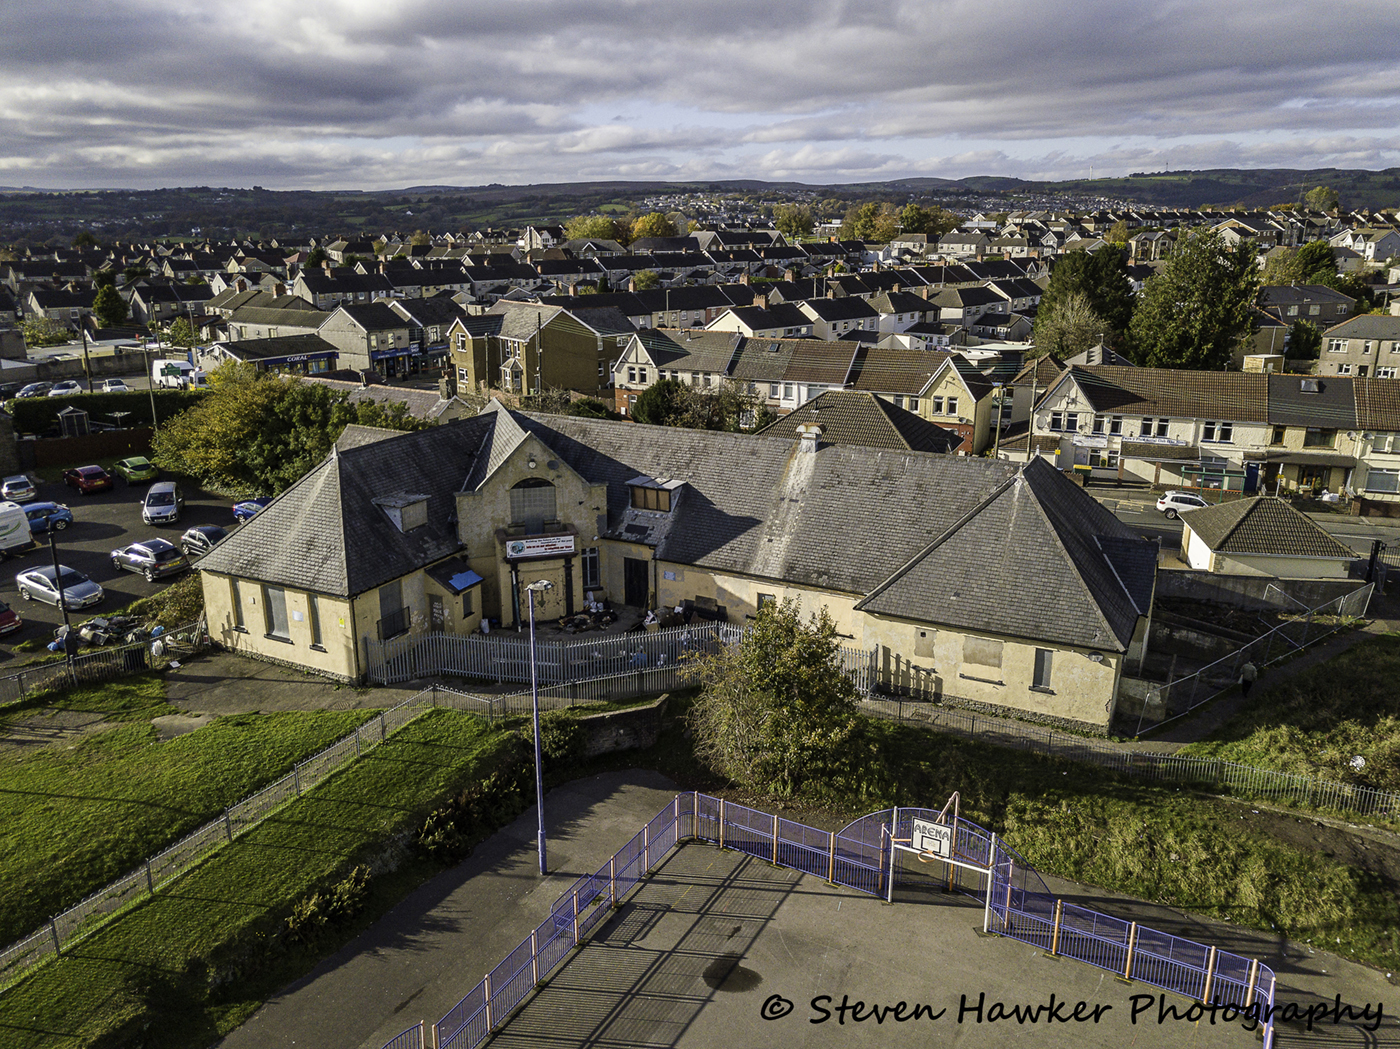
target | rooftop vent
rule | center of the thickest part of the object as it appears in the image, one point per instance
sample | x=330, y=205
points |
x=1310, y=385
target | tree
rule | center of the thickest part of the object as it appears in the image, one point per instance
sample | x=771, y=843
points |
x=102, y=278
x=420, y=238
x=645, y=280
x=933, y=222
x=590, y=227
x=41, y=331
x=1281, y=267
x=1195, y=311
x=862, y=222
x=793, y=220
x=653, y=224
x=259, y=432
x=181, y=333
x=316, y=258
x=777, y=713
x=109, y=307
x=85, y=239
x=1101, y=278
x=1072, y=327
x=1304, y=341
x=1119, y=233
x=1323, y=198
x=664, y=403
x=1316, y=263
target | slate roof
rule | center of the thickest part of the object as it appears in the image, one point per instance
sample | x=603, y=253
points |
x=842, y=309
x=1035, y=558
x=324, y=534
x=278, y=348
x=895, y=370
x=287, y=318
x=1234, y=396
x=371, y=316
x=1328, y=401
x=856, y=417
x=1366, y=326
x=1264, y=526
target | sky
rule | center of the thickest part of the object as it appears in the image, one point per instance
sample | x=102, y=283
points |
x=381, y=94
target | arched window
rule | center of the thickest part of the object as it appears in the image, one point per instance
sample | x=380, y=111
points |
x=532, y=504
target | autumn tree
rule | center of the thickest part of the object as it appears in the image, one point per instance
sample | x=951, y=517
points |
x=1119, y=233
x=793, y=220
x=1195, y=311
x=1071, y=328
x=871, y=221
x=591, y=227
x=41, y=331
x=933, y=222
x=1101, y=280
x=653, y=224
x=1323, y=198
x=777, y=713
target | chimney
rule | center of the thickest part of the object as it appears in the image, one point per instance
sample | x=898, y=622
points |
x=632, y=284
x=761, y=301
x=573, y=288
x=808, y=435
x=924, y=291
x=447, y=386
x=744, y=278
x=895, y=289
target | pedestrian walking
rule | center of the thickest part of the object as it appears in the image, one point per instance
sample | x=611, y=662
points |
x=1248, y=673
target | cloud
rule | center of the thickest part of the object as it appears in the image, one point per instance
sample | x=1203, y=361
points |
x=375, y=94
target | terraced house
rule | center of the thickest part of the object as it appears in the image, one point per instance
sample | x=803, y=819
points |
x=999, y=586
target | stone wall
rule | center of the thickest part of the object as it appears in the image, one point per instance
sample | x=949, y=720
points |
x=633, y=729
x=1250, y=591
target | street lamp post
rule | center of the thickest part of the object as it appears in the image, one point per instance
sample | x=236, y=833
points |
x=530, y=591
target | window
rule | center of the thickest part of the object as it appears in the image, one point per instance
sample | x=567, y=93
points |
x=1383, y=480
x=1366, y=346
x=913, y=404
x=532, y=504
x=1336, y=346
x=1115, y=425
x=275, y=612
x=393, y=616
x=1278, y=435
x=1344, y=369
x=787, y=391
x=1154, y=427
x=631, y=374
x=935, y=405
x=237, y=605
x=642, y=376
x=1043, y=658
x=1315, y=437
x=1361, y=369
x=1099, y=423
x=1314, y=311
x=651, y=499
x=1386, y=373
x=1293, y=311
x=313, y=613
x=899, y=400
x=953, y=408
x=1057, y=420
x=1217, y=431
x=592, y=574
x=773, y=390
x=764, y=600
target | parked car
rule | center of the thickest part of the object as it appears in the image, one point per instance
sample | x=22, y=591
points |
x=242, y=511
x=199, y=540
x=66, y=388
x=43, y=516
x=115, y=386
x=17, y=489
x=88, y=479
x=136, y=470
x=151, y=557
x=37, y=584
x=1173, y=503
x=163, y=503
x=15, y=536
x=9, y=619
x=10, y=389
x=36, y=389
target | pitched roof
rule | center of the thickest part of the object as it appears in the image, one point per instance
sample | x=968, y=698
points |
x=1299, y=400
x=1263, y=525
x=1377, y=403
x=1032, y=559
x=855, y=417
x=1235, y=396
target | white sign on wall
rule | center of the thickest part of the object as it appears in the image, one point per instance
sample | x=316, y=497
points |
x=934, y=838
x=540, y=546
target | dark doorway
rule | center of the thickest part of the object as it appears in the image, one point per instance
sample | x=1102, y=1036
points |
x=634, y=582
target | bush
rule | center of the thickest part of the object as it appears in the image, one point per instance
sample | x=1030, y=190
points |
x=337, y=906
x=180, y=603
x=450, y=832
x=39, y=414
x=563, y=740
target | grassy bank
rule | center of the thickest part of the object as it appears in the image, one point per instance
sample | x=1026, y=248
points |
x=1320, y=721
x=193, y=962
x=74, y=818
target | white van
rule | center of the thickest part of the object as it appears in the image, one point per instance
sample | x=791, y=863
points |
x=178, y=374
x=14, y=530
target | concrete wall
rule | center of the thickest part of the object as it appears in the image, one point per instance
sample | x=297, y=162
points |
x=633, y=729
x=1249, y=591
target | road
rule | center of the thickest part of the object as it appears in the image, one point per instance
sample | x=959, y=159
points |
x=102, y=522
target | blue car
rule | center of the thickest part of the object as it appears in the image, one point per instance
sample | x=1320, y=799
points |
x=248, y=507
x=43, y=516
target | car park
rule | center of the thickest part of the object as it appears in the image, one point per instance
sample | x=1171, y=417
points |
x=66, y=389
x=43, y=516
x=199, y=540
x=151, y=557
x=115, y=386
x=35, y=389
x=1174, y=503
x=136, y=470
x=38, y=584
x=88, y=479
x=242, y=511
x=163, y=503
x=9, y=619
x=17, y=489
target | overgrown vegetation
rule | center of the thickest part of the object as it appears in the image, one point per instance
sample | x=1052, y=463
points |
x=38, y=414
x=1319, y=722
x=180, y=603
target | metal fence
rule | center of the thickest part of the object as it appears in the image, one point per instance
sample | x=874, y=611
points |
x=144, y=881
x=859, y=857
x=1210, y=774
x=1179, y=697
x=105, y=664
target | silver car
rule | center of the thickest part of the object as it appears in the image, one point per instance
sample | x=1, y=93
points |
x=17, y=489
x=37, y=584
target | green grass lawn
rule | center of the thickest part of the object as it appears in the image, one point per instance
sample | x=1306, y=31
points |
x=157, y=976
x=1319, y=721
x=74, y=818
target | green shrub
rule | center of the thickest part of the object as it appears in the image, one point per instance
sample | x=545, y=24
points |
x=337, y=906
x=180, y=603
x=563, y=739
x=450, y=832
x=38, y=414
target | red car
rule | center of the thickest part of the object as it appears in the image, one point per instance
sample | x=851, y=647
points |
x=9, y=619
x=87, y=479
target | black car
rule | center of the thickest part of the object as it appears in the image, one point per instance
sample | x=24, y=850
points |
x=152, y=558
x=199, y=540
